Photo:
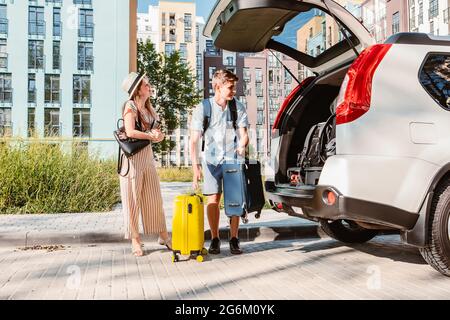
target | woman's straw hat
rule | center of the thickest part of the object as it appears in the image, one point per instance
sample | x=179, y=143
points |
x=131, y=83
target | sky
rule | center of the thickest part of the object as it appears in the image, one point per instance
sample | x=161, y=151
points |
x=204, y=7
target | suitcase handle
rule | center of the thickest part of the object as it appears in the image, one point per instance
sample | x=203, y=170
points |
x=234, y=205
x=231, y=171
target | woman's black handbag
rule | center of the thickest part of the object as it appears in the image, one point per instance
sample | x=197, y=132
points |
x=129, y=146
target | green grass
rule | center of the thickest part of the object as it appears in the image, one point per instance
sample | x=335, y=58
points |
x=175, y=174
x=38, y=177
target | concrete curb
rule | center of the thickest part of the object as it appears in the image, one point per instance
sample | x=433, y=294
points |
x=246, y=234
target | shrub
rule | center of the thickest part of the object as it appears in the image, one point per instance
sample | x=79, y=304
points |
x=175, y=174
x=39, y=177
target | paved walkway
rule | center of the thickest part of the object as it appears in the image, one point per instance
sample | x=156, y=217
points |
x=83, y=256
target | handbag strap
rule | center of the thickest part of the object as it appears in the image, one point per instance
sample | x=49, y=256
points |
x=120, y=163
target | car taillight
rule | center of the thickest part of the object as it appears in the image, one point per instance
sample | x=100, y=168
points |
x=288, y=100
x=356, y=90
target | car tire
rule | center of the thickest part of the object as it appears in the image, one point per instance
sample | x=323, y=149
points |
x=347, y=231
x=437, y=251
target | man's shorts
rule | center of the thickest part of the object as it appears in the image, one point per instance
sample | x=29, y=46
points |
x=212, y=179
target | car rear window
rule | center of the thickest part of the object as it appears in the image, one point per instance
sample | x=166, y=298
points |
x=312, y=32
x=435, y=78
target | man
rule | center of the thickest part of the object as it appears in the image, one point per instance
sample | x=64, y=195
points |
x=220, y=146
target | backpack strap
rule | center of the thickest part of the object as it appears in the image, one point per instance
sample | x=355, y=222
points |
x=207, y=109
x=233, y=113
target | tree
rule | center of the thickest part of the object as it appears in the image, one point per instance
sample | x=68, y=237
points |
x=174, y=85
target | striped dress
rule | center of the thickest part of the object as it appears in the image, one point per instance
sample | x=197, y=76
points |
x=141, y=194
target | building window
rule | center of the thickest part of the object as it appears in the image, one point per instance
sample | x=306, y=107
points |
x=3, y=54
x=163, y=19
x=432, y=27
x=163, y=34
x=260, y=118
x=5, y=88
x=3, y=20
x=31, y=88
x=172, y=21
x=83, y=2
x=259, y=90
x=169, y=48
x=86, y=23
x=52, y=89
x=82, y=123
x=36, y=54
x=187, y=21
x=5, y=122
x=57, y=26
x=435, y=76
x=172, y=35
x=258, y=75
x=187, y=35
x=396, y=23
x=86, y=56
x=434, y=9
x=52, y=127
x=183, y=51
x=420, y=16
x=81, y=89
x=36, y=23
x=56, y=55
x=31, y=122
x=230, y=61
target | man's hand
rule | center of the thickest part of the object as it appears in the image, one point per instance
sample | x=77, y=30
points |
x=240, y=151
x=197, y=176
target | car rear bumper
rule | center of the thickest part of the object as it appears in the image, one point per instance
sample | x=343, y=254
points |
x=314, y=200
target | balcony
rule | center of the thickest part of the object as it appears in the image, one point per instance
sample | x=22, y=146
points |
x=4, y=27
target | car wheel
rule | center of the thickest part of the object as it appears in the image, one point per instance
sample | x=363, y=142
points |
x=437, y=251
x=347, y=231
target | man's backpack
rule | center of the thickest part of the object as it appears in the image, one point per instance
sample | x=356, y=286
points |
x=207, y=110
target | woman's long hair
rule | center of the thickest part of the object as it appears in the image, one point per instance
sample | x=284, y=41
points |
x=147, y=105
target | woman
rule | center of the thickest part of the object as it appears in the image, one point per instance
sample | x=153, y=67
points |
x=140, y=189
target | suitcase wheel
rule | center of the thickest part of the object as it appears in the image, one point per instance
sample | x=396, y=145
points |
x=245, y=220
x=204, y=252
x=175, y=258
x=258, y=215
x=199, y=258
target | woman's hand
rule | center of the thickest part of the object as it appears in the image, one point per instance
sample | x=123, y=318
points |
x=156, y=135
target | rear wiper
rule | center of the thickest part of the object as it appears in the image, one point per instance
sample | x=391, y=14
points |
x=342, y=30
x=286, y=68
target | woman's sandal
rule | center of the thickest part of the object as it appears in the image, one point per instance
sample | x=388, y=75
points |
x=137, y=252
x=167, y=243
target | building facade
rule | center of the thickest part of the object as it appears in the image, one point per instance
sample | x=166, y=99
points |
x=148, y=26
x=62, y=67
x=429, y=16
x=374, y=18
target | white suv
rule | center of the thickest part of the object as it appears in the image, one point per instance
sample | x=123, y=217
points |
x=382, y=160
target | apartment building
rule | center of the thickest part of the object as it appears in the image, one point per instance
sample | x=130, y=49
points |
x=429, y=16
x=61, y=68
x=148, y=27
x=374, y=18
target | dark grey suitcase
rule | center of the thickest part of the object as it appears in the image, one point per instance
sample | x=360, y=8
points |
x=243, y=189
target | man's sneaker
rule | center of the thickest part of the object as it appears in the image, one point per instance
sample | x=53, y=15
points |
x=234, y=246
x=214, y=248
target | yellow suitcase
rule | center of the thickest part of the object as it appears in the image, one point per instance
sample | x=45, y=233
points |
x=188, y=234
